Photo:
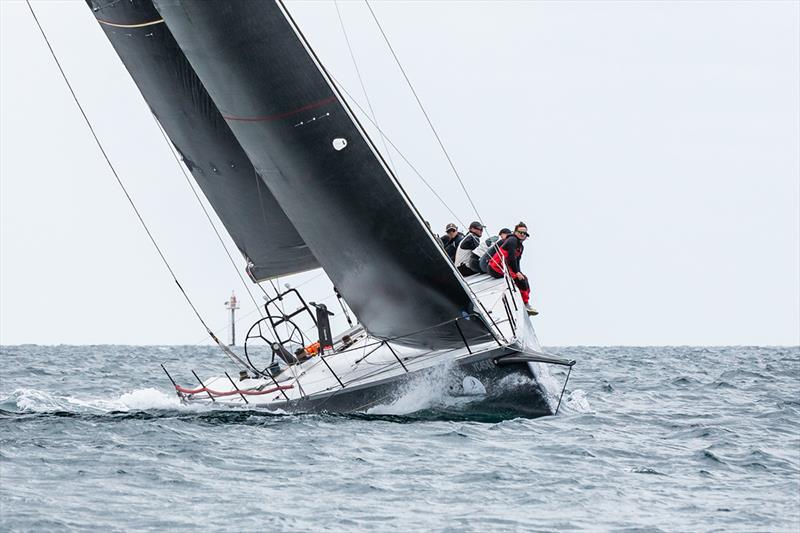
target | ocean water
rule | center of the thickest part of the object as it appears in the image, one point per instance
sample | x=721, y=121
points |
x=648, y=439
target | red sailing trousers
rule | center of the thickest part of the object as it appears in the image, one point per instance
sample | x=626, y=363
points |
x=496, y=271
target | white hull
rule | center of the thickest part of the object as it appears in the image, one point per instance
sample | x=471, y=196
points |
x=371, y=371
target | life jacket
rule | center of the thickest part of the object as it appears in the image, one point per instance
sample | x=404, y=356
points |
x=484, y=246
x=464, y=255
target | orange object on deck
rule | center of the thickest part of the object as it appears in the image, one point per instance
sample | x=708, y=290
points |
x=312, y=349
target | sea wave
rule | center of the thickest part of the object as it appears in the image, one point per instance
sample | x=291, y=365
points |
x=24, y=400
x=635, y=448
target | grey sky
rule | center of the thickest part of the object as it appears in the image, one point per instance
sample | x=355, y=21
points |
x=651, y=147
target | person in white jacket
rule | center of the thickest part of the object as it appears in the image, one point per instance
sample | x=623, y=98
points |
x=465, y=260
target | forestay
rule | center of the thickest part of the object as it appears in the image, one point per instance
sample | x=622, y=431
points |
x=249, y=211
x=326, y=174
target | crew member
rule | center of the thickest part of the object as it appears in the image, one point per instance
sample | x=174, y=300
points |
x=510, y=254
x=491, y=247
x=451, y=239
x=465, y=260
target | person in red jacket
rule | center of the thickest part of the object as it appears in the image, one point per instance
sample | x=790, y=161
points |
x=510, y=254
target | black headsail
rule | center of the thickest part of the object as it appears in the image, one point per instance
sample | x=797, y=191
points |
x=326, y=174
x=249, y=211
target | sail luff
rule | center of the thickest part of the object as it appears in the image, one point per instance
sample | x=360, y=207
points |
x=477, y=310
x=377, y=153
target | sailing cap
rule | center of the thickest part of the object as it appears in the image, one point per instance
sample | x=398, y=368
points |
x=476, y=225
x=504, y=230
x=450, y=226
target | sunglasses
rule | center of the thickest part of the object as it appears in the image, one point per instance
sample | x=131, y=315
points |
x=524, y=233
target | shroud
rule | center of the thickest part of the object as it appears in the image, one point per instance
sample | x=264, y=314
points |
x=249, y=211
x=326, y=174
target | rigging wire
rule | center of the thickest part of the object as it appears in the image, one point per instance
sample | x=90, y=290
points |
x=405, y=159
x=238, y=320
x=252, y=311
x=266, y=228
x=337, y=88
x=428, y=118
x=225, y=349
x=274, y=288
x=309, y=280
x=172, y=149
x=237, y=323
x=374, y=121
x=363, y=87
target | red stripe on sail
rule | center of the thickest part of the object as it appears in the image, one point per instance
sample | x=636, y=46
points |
x=279, y=116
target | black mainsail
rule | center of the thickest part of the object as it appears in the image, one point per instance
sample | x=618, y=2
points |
x=325, y=173
x=249, y=211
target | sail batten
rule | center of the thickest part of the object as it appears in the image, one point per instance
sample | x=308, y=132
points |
x=240, y=197
x=323, y=170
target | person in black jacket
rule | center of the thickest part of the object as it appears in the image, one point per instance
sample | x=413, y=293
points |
x=492, y=245
x=510, y=254
x=451, y=239
x=465, y=260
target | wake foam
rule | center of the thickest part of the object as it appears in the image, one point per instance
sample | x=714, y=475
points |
x=550, y=388
x=573, y=402
x=576, y=402
x=410, y=401
x=31, y=401
x=150, y=398
x=429, y=391
x=418, y=394
x=36, y=401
